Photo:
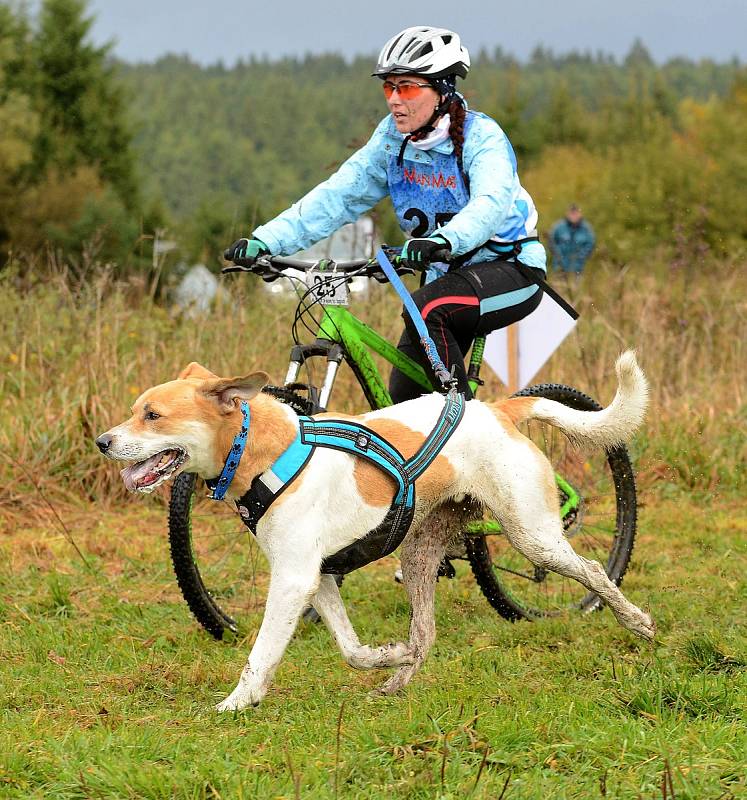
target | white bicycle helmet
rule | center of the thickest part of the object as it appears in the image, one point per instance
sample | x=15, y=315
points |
x=431, y=52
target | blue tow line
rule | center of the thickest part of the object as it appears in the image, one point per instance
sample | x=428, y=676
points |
x=429, y=345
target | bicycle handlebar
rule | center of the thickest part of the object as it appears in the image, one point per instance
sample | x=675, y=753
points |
x=269, y=268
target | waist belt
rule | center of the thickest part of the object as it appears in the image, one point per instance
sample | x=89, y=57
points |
x=513, y=250
x=360, y=441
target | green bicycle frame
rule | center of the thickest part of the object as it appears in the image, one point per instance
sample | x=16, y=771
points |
x=341, y=326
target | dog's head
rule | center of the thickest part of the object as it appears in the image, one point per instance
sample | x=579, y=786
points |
x=188, y=421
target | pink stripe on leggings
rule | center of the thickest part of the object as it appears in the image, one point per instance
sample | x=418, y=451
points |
x=450, y=300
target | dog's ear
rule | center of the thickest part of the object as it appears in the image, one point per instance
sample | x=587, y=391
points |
x=225, y=390
x=195, y=370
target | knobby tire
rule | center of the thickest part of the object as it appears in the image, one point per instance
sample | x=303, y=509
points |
x=201, y=596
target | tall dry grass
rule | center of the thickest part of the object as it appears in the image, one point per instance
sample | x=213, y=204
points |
x=74, y=359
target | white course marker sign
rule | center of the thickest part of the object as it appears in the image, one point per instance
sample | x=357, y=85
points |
x=516, y=354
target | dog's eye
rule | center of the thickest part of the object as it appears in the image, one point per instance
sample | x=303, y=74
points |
x=151, y=415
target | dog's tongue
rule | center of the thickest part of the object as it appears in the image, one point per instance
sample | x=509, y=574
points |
x=136, y=476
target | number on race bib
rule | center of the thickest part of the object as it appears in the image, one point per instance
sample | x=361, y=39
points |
x=424, y=227
x=327, y=288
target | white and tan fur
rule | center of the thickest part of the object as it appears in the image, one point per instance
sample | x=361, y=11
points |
x=338, y=499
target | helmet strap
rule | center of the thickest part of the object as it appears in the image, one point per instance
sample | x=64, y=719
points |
x=429, y=126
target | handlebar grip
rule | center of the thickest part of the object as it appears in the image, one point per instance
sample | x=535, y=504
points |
x=444, y=254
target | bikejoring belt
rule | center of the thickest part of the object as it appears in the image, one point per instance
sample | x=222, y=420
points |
x=512, y=251
x=362, y=442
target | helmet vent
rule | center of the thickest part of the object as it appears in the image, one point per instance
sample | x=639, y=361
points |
x=394, y=44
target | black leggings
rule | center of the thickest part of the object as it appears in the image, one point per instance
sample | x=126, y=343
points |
x=458, y=307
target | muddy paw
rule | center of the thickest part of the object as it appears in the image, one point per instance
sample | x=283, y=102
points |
x=237, y=701
x=646, y=628
x=639, y=623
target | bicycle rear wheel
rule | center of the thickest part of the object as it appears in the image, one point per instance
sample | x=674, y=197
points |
x=597, y=500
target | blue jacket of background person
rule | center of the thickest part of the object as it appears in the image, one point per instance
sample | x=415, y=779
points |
x=427, y=191
x=571, y=244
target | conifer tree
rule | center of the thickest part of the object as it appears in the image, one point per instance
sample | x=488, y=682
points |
x=82, y=107
x=18, y=122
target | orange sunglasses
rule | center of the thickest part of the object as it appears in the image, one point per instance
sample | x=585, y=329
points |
x=407, y=90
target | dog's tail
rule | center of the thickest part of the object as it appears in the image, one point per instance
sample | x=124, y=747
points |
x=612, y=425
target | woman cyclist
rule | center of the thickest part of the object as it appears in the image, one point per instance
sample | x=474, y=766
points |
x=451, y=174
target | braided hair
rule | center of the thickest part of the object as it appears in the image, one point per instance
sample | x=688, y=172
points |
x=457, y=116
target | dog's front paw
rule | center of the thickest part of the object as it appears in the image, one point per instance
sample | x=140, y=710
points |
x=238, y=700
x=646, y=627
x=248, y=692
x=638, y=622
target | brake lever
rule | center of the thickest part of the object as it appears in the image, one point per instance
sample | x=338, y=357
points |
x=270, y=274
x=381, y=277
x=236, y=268
x=264, y=269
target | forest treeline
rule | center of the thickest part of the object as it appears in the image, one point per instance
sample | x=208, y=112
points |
x=98, y=155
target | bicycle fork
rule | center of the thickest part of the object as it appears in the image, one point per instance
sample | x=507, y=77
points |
x=299, y=355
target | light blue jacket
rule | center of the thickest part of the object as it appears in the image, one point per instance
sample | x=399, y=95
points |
x=497, y=208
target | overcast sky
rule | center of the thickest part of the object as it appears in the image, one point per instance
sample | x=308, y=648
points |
x=143, y=30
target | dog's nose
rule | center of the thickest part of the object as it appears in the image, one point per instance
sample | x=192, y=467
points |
x=104, y=442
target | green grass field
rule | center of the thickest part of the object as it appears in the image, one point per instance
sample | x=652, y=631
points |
x=108, y=685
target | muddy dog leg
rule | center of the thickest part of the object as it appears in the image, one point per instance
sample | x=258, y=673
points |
x=289, y=593
x=422, y=552
x=328, y=603
x=541, y=540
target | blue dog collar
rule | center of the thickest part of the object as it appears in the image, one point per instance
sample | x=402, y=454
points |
x=219, y=486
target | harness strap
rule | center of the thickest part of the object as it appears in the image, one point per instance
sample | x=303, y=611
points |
x=387, y=536
x=547, y=289
x=451, y=416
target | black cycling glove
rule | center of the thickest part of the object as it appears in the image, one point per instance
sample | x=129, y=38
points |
x=419, y=253
x=245, y=252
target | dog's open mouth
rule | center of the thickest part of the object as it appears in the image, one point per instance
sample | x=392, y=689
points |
x=145, y=476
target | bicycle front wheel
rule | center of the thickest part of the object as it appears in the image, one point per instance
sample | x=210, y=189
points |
x=597, y=501
x=217, y=562
x=215, y=559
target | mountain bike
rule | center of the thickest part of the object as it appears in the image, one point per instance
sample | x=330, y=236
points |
x=215, y=565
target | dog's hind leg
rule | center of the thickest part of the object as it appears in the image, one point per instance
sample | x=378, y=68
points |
x=289, y=593
x=422, y=552
x=543, y=543
x=328, y=603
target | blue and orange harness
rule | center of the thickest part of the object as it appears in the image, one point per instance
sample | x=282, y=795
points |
x=356, y=440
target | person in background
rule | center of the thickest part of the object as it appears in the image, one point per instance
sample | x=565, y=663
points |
x=571, y=242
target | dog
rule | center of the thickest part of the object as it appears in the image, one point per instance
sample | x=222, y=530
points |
x=190, y=424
